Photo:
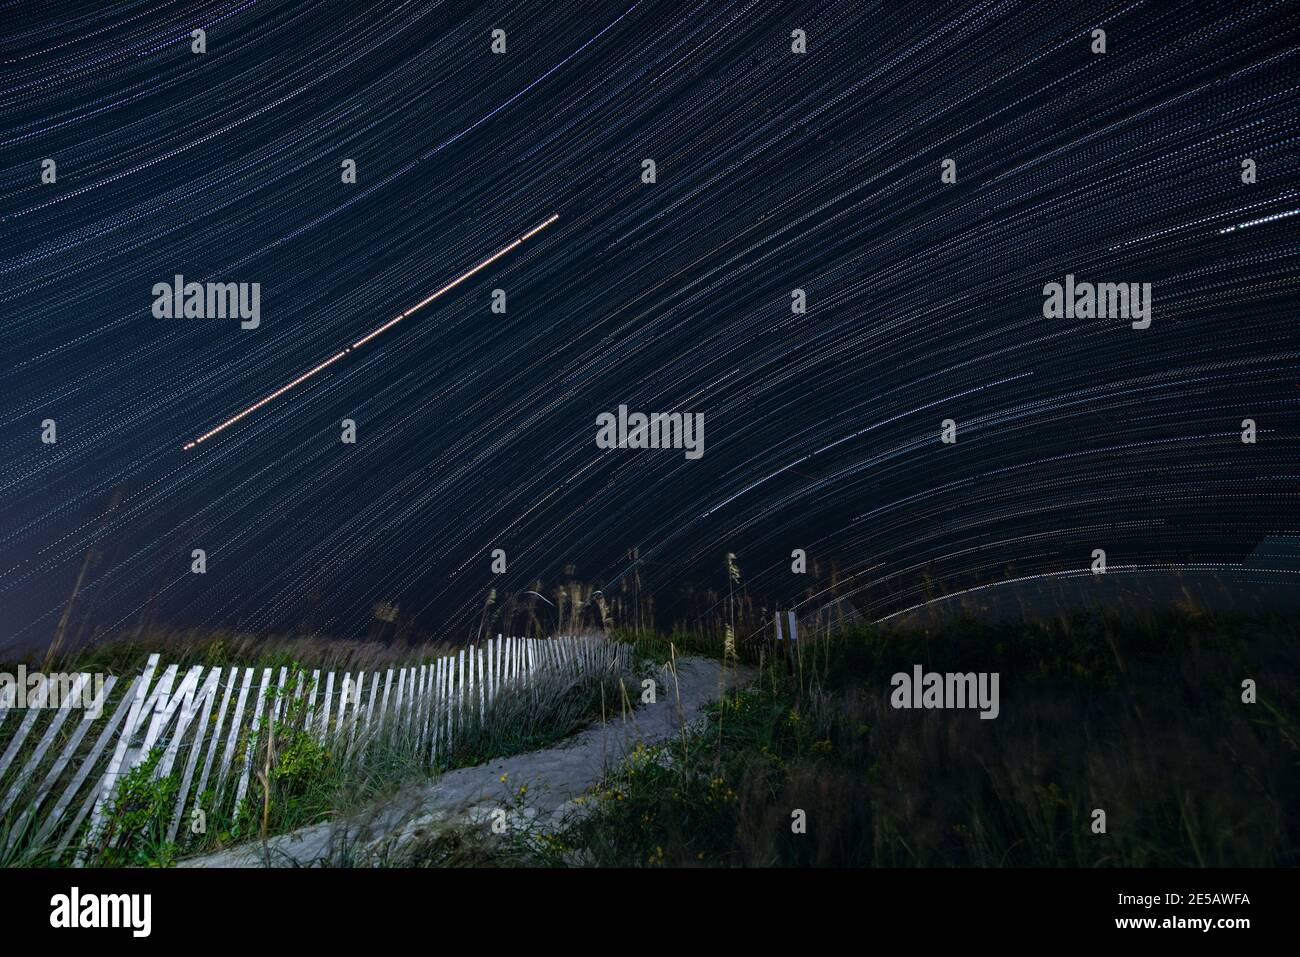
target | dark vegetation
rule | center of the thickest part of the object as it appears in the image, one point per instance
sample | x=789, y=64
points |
x=1141, y=716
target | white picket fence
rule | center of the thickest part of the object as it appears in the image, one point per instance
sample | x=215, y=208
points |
x=422, y=708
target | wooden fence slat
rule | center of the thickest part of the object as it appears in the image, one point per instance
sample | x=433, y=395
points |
x=43, y=745
x=437, y=711
x=449, y=699
x=278, y=703
x=383, y=705
x=414, y=730
x=396, y=733
x=448, y=702
x=346, y=733
x=122, y=712
x=322, y=724
x=460, y=693
x=406, y=714
x=216, y=739
x=207, y=695
x=70, y=750
x=24, y=729
x=59, y=764
x=437, y=668
x=184, y=705
x=412, y=709
x=346, y=696
x=251, y=745
x=356, y=697
x=467, y=687
x=478, y=685
x=422, y=719
x=366, y=722
x=436, y=702
x=471, y=683
x=236, y=725
x=162, y=704
x=154, y=706
x=138, y=709
x=448, y=687
x=309, y=716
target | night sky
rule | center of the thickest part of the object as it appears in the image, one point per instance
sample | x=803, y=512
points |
x=775, y=171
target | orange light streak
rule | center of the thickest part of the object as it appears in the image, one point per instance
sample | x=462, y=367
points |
x=371, y=335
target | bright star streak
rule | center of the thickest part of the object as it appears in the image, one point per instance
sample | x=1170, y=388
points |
x=370, y=335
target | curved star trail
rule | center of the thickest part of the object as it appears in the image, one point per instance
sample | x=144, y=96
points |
x=775, y=171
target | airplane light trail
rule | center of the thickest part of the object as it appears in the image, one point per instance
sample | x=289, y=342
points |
x=371, y=335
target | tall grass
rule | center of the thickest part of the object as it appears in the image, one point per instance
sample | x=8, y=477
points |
x=1141, y=717
x=219, y=648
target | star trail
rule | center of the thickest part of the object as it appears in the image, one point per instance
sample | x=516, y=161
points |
x=522, y=171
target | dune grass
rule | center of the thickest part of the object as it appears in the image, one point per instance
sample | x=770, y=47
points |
x=127, y=653
x=1139, y=716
